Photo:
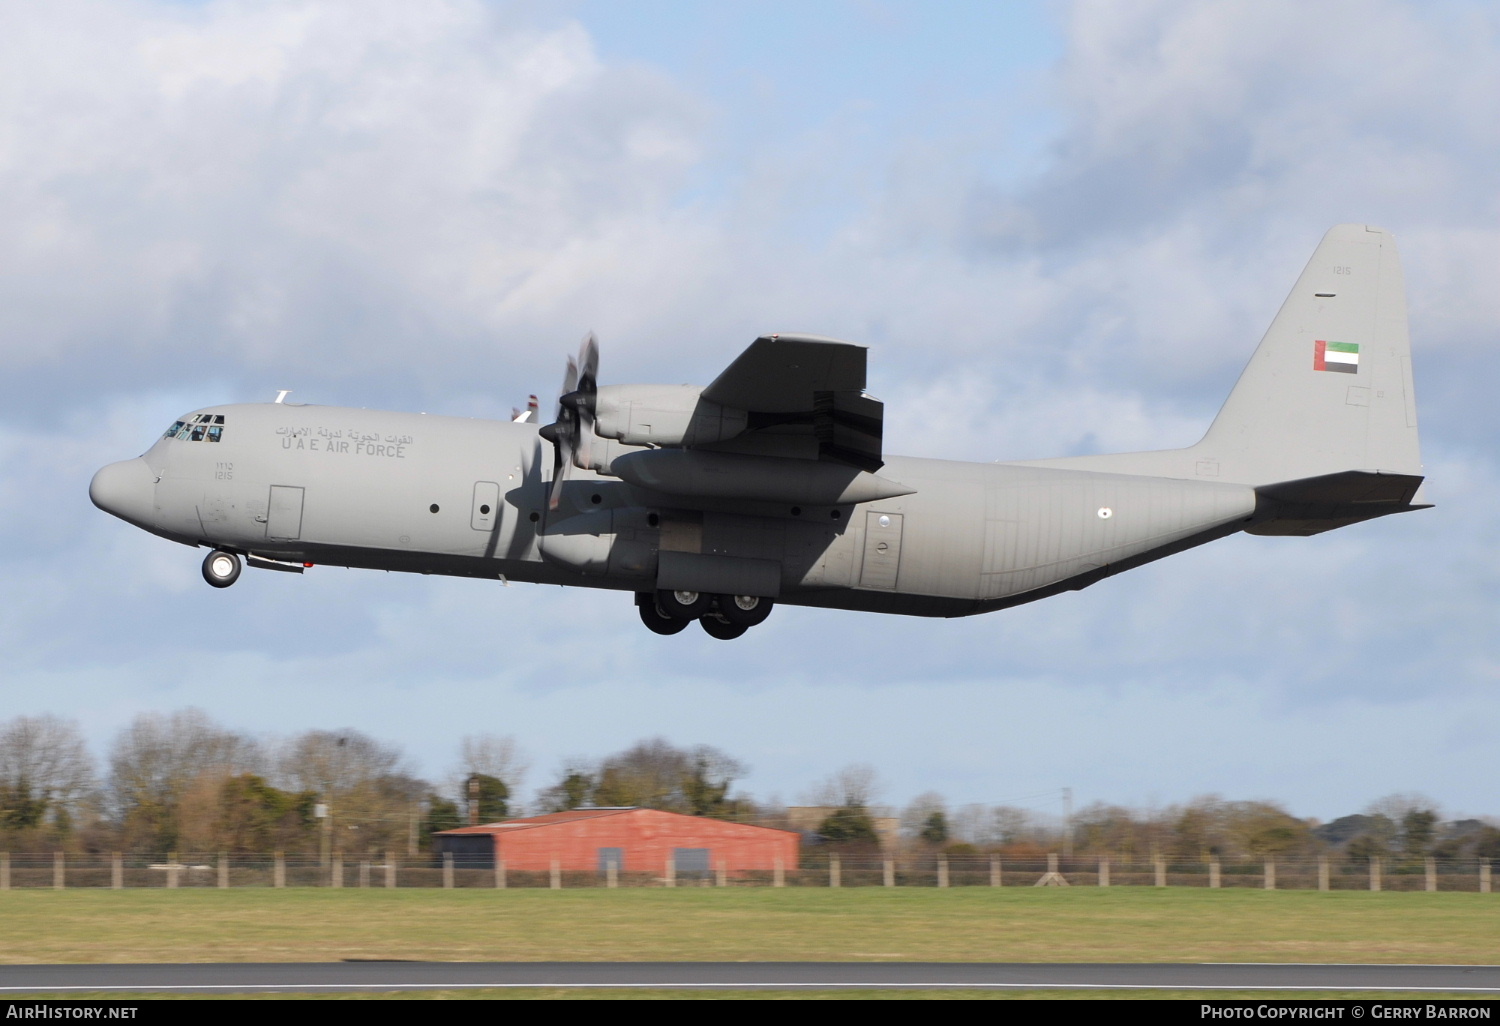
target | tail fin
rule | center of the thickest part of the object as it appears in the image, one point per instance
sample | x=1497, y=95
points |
x=1328, y=391
x=1330, y=387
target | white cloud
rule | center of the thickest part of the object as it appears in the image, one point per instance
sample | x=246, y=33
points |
x=427, y=204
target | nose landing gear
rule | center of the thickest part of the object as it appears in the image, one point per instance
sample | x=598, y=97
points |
x=221, y=569
x=725, y=617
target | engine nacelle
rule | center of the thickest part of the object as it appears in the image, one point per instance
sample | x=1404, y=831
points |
x=668, y=415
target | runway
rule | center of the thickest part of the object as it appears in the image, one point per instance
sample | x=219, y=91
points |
x=229, y=978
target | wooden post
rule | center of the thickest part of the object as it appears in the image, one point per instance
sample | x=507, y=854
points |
x=364, y=873
x=59, y=879
x=499, y=873
x=1270, y=878
x=337, y=878
x=834, y=875
x=995, y=880
x=1431, y=873
x=1161, y=872
x=778, y=875
x=1104, y=872
x=390, y=869
x=671, y=878
x=1214, y=878
x=4, y=870
x=171, y=869
x=1374, y=872
x=556, y=874
x=888, y=871
x=1484, y=875
x=447, y=871
x=1323, y=882
x=723, y=880
x=278, y=874
x=116, y=872
x=611, y=873
x=942, y=870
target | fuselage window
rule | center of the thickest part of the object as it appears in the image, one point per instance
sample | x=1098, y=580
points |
x=216, y=432
x=177, y=426
x=198, y=430
x=183, y=432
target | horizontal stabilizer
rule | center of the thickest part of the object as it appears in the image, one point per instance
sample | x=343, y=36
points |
x=1316, y=504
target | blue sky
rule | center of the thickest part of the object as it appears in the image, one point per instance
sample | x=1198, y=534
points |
x=1061, y=228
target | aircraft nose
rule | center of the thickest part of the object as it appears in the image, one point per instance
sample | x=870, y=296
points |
x=126, y=489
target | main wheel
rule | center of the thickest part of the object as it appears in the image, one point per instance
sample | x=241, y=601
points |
x=743, y=610
x=683, y=605
x=656, y=621
x=717, y=628
x=221, y=569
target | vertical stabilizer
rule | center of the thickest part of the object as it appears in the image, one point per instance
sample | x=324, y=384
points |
x=1328, y=391
x=1330, y=387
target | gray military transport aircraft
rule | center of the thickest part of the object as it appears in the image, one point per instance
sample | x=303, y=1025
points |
x=770, y=485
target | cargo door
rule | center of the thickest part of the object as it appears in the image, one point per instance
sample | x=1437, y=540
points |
x=284, y=513
x=882, y=550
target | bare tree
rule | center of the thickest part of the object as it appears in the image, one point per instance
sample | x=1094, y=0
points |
x=374, y=801
x=854, y=786
x=158, y=759
x=490, y=769
x=46, y=774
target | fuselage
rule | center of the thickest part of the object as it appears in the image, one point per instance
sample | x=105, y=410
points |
x=467, y=497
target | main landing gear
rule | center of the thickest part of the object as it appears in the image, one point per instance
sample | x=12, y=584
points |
x=221, y=569
x=725, y=617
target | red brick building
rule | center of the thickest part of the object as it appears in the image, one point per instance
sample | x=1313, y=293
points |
x=634, y=840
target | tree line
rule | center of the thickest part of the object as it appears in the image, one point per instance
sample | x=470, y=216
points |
x=181, y=782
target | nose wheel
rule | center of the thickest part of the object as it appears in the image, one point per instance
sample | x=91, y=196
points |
x=221, y=569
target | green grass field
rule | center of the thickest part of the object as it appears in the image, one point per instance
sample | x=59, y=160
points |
x=734, y=924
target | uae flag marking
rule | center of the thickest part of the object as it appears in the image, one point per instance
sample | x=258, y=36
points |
x=1336, y=356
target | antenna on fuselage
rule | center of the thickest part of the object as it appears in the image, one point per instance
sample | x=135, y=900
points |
x=282, y=394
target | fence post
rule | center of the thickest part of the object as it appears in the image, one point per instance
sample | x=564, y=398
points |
x=671, y=878
x=723, y=880
x=116, y=872
x=5, y=870
x=778, y=875
x=336, y=879
x=834, y=874
x=1214, y=879
x=611, y=873
x=390, y=869
x=1161, y=872
x=1270, y=877
x=888, y=872
x=1323, y=882
x=1104, y=872
x=278, y=873
x=499, y=873
x=1484, y=875
x=1431, y=873
x=556, y=882
x=1374, y=872
x=994, y=870
x=171, y=869
x=59, y=879
x=448, y=870
x=942, y=870
x=364, y=873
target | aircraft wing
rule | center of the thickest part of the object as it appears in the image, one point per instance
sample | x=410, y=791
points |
x=805, y=397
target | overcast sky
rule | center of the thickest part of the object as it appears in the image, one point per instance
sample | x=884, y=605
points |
x=1061, y=228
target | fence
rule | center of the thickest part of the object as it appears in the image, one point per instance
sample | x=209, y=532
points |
x=58, y=870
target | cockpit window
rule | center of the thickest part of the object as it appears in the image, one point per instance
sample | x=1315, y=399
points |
x=198, y=427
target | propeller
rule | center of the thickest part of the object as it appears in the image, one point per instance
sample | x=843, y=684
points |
x=573, y=430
